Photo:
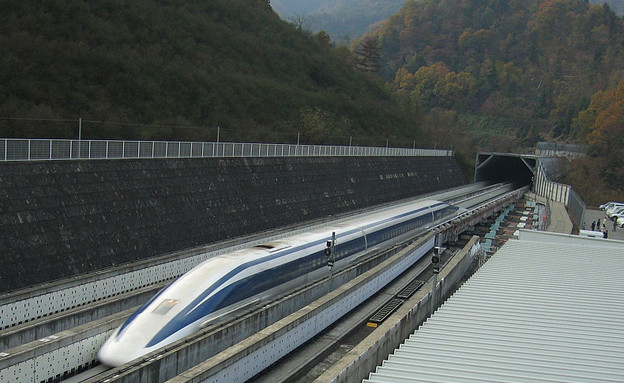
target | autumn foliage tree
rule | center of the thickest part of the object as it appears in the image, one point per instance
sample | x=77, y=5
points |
x=601, y=125
x=518, y=68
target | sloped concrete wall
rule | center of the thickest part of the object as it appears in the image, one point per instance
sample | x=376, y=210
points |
x=63, y=218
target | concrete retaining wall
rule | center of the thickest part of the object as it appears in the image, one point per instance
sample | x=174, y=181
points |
x=62, y=218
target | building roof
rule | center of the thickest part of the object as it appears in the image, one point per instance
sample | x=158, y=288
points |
x=545, y=308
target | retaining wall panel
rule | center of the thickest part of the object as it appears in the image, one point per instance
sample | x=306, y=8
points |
x=62, y=218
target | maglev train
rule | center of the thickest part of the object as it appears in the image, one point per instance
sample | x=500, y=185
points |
x=223, y=283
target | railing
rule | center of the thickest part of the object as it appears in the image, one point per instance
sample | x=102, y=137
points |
x=51, y=149
x=558, y=192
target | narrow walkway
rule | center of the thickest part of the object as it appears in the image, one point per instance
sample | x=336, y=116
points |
x=559, y=219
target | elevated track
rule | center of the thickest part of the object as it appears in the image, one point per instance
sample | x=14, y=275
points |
x=52, y=332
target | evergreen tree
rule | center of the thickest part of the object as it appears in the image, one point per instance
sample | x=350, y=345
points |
x=368, y=56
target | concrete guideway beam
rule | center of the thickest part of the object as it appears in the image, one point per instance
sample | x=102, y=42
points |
x=59, y=353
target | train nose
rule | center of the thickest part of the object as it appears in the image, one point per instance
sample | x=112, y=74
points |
x=111, y=355
x=115, y=353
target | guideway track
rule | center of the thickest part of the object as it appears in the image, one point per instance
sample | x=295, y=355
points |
x=50, y=299
x=338, y=338
x=46, y=303
x=50, y=342
x=244, y=359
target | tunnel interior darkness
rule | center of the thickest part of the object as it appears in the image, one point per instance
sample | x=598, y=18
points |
x=505, y=168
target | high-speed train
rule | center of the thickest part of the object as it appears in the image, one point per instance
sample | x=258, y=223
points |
x=226, y=282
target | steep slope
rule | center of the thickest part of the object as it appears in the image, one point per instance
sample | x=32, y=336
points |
x=231, y=63
x=347, y=20
x=512, y=71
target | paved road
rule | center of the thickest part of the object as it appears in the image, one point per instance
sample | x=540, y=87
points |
x=593, y=215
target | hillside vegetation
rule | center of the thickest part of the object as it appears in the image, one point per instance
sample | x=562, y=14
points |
x=600, y=176
x=512, y=72
x=180, y=63
x=348, y=20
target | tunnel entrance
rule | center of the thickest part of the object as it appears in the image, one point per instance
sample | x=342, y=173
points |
x=505, y=167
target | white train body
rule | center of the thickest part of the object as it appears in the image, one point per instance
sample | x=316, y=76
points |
x=224, y=283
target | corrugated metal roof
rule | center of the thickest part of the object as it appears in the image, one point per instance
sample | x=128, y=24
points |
x=542, y=309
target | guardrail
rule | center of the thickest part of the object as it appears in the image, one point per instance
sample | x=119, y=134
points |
x=12, y=149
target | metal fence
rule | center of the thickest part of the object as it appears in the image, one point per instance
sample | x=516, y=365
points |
x=46, y=149
x=560, y=150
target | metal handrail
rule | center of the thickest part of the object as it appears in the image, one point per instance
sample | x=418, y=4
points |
x=19, y=149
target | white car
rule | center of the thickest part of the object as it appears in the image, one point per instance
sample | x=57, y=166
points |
x=612, y=208
x=609, y=205
x=620, y=221
x=616, y=213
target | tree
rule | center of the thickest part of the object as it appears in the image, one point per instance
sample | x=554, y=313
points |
x=602, y=124
x=368, y=55
x=301, y=22
x=324, y=39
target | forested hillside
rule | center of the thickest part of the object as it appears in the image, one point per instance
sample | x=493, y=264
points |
x=228, y=63
x=512, y=72
x=600, y=176
x=348, y=20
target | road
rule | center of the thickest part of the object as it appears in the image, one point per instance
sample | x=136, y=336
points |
x=593, y=215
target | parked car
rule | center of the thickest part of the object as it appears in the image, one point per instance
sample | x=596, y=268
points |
x=620, y=221
x=609, y=205
x=616, y=213
x=612, y=208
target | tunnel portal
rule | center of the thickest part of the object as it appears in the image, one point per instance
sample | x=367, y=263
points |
x=505, y=167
